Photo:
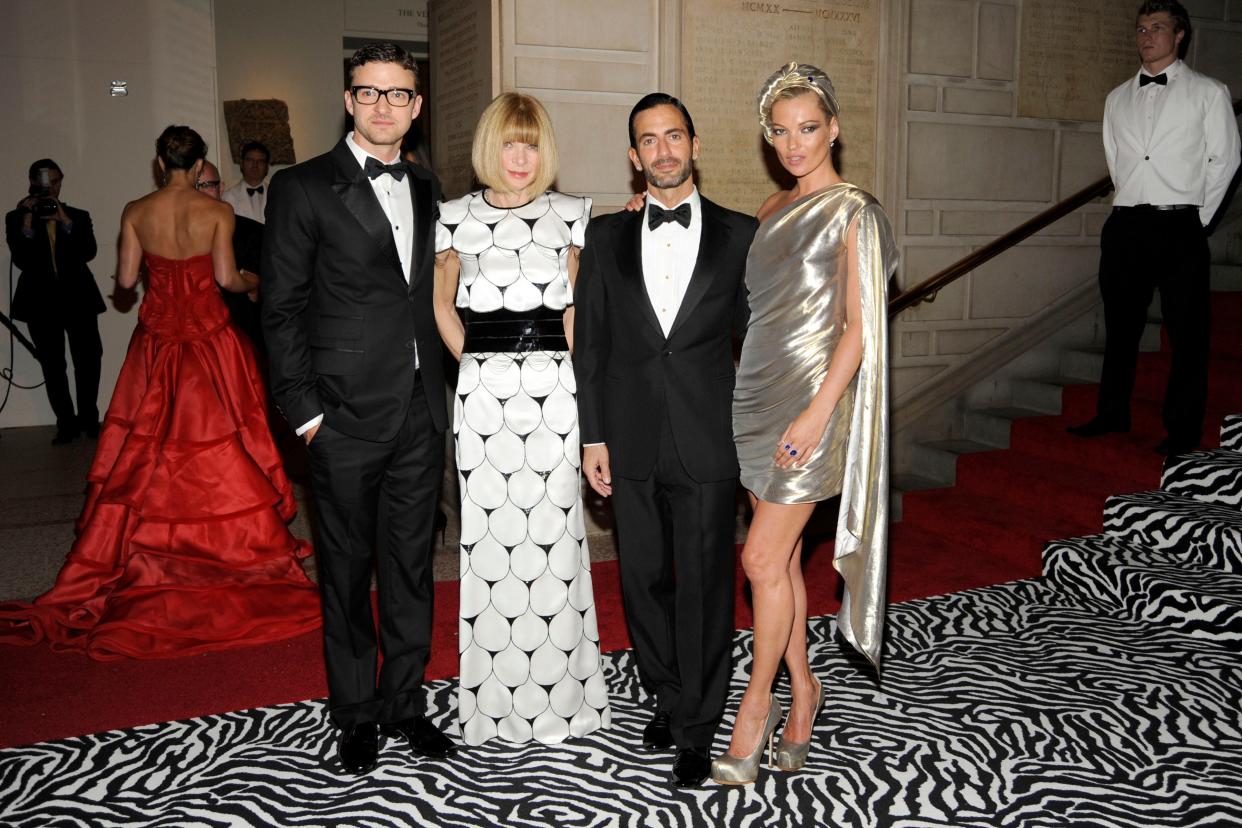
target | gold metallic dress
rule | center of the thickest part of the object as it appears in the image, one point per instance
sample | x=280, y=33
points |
x=796, y=277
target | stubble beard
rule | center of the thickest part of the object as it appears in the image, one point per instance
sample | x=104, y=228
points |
x=670, y=181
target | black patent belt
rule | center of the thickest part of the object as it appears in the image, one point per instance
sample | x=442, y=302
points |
x=1157, y=208
x=515, y=332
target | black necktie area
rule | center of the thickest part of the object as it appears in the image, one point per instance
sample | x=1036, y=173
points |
x=374, y=169
x=1162, y=79
x=657, y=215
x=252, y=190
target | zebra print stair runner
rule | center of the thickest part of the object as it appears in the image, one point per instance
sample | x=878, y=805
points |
x=1108, y=693
x=1012, y=705
x=1231, y=433
x=1172, y=556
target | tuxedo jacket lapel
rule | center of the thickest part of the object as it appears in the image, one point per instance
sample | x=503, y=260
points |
x=713, y=241
x=421, y=201
x=630, y=264
x=354, y=190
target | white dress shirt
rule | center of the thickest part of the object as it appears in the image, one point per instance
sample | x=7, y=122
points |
x=669, y=254
x=397, y=202
x=244, y=203
x=1171, y=144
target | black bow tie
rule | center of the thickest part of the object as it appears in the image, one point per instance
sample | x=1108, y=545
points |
x=1161, y=79
x=657, y=215
x=252, y=190
x=374, y=169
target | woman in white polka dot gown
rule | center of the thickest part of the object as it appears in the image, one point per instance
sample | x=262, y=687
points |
x=506, y=257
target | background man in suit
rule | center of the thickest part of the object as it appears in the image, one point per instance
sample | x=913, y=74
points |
x=658, y=296
x=247, y=251
x=248, y=197
x=51, y=242
x=356, y=366
x=1171, y=142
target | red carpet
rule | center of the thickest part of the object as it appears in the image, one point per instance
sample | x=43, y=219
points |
x=989, y=529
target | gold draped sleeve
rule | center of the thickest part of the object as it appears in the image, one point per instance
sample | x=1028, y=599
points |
x=861, y=554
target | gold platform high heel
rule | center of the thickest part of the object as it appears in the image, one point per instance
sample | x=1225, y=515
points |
x=791, y=756
x=730, y=770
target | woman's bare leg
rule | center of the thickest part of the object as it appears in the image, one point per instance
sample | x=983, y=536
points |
x=775, y=532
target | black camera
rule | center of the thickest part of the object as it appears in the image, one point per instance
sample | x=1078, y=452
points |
x=46, y=206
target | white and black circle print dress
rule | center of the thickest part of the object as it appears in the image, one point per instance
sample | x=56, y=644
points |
x=529, y=644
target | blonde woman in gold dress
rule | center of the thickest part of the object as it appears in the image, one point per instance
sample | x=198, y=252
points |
x=810, y=412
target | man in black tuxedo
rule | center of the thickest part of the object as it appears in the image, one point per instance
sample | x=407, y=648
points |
x=247, y=252
x=658, y=297
x=57, y=296
x=356, y=366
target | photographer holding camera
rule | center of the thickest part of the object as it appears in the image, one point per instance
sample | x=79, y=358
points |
x=51, y=242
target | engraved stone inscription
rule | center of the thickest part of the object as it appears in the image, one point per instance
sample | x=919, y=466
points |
x=1071, y=56
x=462, y=77
x=730, y=48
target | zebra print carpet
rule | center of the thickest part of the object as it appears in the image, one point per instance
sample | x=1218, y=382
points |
x=1003, y=706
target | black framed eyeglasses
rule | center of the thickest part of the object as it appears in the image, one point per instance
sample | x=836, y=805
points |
x=370, y=94
x=207, y=185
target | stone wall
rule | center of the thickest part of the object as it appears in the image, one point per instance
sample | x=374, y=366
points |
x=970, y=168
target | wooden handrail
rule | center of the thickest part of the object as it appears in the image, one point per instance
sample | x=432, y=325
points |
x=926, y=290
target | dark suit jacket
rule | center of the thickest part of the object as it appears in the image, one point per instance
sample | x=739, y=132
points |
x=339, y=320
x=63, y=293
x=630, y=376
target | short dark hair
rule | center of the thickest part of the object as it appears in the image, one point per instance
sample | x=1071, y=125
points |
x=650, y=101
x=43, y=164
x=1181, y=19
x=256, y=145
x=382, y=53
x=179, y=147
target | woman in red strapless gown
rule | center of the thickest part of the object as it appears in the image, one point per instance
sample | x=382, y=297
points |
x=182, y=546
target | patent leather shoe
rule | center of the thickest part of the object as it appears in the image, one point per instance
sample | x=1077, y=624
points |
x=422, y=736
x=691, y=767
x=657, y=735
x=359, y=747
x=1097, y=427
x=64, y=436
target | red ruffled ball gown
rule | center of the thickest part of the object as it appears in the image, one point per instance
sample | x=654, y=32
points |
x=182, y=546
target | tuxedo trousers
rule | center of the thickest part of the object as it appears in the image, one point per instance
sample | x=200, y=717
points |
x=86, y=349
x=677, y=562
x=1143, y=250
x=376, y=510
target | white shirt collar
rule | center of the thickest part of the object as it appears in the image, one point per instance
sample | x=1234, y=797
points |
x=1171, y=71
x=361, y=155
x=692, y=199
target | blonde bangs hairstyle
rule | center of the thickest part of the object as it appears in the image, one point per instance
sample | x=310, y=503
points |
x=514, y=117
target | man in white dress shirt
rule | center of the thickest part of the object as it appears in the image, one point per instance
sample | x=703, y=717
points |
x=1171, y=141
x=248, y=197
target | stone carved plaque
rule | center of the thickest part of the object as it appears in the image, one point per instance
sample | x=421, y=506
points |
x=730, y=47
x=1072, y=54
x=462, y=85
x=266, y=121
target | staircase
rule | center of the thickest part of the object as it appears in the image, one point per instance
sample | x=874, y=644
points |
x=1019, y=480
x=1172, y=556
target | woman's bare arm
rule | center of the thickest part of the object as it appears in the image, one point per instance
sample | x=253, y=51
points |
x=447, y=270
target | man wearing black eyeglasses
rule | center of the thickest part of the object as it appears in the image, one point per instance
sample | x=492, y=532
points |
x=357, y=367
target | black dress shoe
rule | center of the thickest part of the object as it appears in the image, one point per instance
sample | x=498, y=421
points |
x=359, y=748
x=1098, y=426
x=691, y=767
x=1171, y=448
x=422, y=736
x=657, y=735
x=64, y=436
x=91, y=430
